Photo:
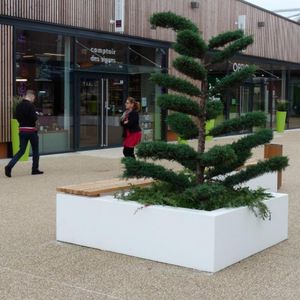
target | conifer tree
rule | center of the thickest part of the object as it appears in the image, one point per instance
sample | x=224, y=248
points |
x=209, y=179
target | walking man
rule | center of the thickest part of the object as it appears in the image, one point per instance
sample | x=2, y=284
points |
x=27, y=117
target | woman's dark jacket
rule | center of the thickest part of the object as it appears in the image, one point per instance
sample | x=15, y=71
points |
x=133, y=123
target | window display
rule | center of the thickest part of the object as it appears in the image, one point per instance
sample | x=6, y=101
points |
x=43, y=64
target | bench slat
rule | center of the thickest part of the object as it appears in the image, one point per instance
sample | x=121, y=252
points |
x=96, y=188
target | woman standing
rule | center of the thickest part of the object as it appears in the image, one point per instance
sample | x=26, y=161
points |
x=132, y=133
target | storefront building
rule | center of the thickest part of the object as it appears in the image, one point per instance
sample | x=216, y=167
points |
x=84, y=57
x=82, y=82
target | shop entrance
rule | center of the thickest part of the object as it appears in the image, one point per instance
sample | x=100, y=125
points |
x=257, y=95
x=99, y=106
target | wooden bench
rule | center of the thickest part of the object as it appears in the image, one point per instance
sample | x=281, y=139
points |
x=98, y=188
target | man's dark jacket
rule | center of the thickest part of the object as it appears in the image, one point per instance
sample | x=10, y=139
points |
x=26, y=114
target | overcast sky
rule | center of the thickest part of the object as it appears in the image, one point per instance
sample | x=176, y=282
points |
x=278, y=4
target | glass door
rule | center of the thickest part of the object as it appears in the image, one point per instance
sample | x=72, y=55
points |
x=115, y=94
x=99, y=108
x=90, y=112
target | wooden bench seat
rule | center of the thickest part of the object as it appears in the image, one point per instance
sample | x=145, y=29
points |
x=96, y=188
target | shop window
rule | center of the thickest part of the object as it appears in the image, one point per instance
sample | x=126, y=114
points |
x=43, y=65
x=142, y=62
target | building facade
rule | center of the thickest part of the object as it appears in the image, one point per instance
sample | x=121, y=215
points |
x=84, y=57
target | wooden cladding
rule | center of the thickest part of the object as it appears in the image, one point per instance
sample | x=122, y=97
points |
x=6, y=81
x=90, y=14
x=277, y=39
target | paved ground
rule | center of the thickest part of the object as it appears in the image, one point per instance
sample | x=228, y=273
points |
x=34, y=266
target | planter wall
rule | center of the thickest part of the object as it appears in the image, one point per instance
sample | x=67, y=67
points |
x=209, y=125
x=206, y=241
x=280, y=121
x=15, y=139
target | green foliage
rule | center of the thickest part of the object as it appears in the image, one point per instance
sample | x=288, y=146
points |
x=282, y=105
x=224, y=38
x=190, y=67
x=242, y=148
x=171, y=20
x=179, y=103
x=273, y=164
x=232, y=49
x=217, y=155
x=233, y=80
x=208, y=180
x=213, y=196
x=189, y=43
x=248, y=142
x=183, y=125
x=241, y=197
x=180, y=153
x=214, y=108
x=175, y=84
x=140, y=169
x=238, y=124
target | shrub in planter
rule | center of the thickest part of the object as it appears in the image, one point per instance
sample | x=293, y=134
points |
x=208, y=179
x=281, y=111
x=15, y=138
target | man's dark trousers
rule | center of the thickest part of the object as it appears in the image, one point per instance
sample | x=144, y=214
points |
x=34, y=141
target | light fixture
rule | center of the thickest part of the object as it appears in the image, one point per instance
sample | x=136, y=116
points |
x=21, y=80
x=195, y=4
x=53, y=54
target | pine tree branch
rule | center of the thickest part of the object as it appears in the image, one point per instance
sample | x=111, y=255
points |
x=242, y=149
x=171, y=20
x=224, y=38
x=245, y=122
x=232, y=49
x=273, y=164
x=204, y=192
x=233, y=80
x=183, y=125
x=175, y=84
x=217, y=155
x=183, y=154
x=189, y=43
x=179, y=103
x=190, y=67
x=214, y=108
x=140, y=169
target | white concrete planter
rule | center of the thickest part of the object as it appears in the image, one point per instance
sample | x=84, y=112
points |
x=207, y=241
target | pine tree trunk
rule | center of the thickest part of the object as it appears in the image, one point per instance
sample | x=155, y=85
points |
x=201, y=136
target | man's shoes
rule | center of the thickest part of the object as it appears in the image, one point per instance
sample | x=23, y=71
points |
x=7, y=171
x=37, y=172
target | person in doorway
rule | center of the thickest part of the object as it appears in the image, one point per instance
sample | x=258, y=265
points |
x=132, y=133
x=27, y=117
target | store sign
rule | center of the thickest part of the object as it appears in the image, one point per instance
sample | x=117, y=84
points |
x=119, y=15
x=237, y=66
x=103, y=55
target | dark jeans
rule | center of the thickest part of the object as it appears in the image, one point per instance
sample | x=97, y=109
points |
x=34, y=141
x=128, y=152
